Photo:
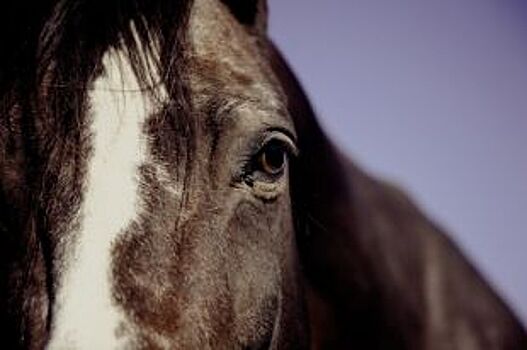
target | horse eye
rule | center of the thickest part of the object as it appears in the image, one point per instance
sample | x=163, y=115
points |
x=273, y=157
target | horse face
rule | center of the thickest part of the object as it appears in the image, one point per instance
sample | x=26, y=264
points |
x=183, y=243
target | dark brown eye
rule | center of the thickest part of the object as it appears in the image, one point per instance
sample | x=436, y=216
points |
x=273, y=158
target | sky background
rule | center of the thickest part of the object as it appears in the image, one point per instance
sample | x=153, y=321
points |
x=433, y=95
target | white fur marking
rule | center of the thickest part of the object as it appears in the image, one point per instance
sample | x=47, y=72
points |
x=85, y=314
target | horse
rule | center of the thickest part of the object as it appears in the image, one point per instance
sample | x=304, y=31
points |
x=164, y=184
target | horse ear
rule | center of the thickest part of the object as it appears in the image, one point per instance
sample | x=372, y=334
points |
x=378, y=274
x=251, y=13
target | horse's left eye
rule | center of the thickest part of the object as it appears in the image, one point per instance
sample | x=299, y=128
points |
x=273, y=157
x=264, y=170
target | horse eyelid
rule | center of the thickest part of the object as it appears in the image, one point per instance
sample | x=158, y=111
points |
x=284, y=136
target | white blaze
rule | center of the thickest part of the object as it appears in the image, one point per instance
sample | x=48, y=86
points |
x=85, y=315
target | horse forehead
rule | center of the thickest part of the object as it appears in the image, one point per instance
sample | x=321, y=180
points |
x=214, y=31
x=217, y=39
x=227, y=65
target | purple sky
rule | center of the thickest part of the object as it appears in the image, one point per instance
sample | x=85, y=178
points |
x=431, y=94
